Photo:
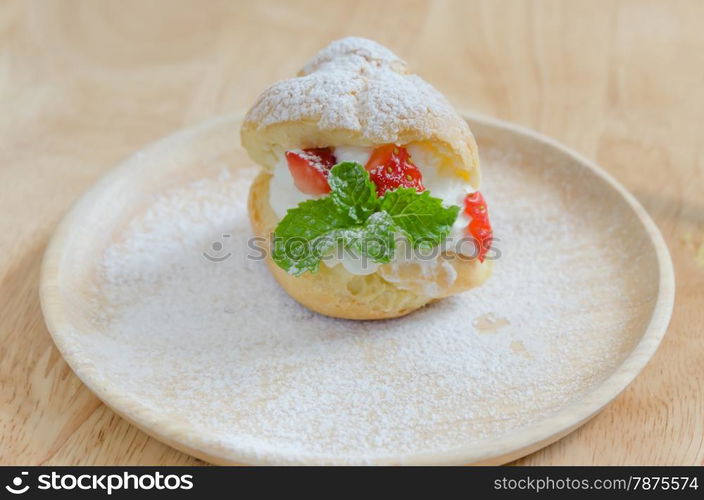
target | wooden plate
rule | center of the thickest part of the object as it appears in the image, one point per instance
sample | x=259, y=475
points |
x=154, y=298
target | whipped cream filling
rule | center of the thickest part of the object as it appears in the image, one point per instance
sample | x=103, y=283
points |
x=283, y=194
x=355, y=154
x=451, y=189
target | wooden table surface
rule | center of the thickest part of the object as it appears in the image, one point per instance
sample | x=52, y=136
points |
x=83, y=84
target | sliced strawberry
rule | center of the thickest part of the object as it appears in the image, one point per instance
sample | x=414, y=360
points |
x=475, y=206
x=391, y=167
x=310, y=168
x=479, y=227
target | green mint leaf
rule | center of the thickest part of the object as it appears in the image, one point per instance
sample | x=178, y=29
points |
x=355, y=218
x=420, y=217
x=378, y=237
x=306, y=234
x=352, y=190
x=375, y=239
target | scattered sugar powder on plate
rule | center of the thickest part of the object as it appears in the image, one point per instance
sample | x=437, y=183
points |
x=203, y=335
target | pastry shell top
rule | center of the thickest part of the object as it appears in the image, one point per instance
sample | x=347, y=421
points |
x=356, y=92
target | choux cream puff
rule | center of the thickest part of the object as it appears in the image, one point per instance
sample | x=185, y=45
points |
x=368, y=191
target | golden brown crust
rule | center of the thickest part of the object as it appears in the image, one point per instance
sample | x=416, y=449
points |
x=334, y=291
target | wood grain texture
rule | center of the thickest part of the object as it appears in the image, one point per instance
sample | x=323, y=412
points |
x=83, y=84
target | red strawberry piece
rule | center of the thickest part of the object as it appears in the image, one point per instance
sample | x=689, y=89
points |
x=391, y=167
x=310, y=168
x=479, y=227
x=475, y=206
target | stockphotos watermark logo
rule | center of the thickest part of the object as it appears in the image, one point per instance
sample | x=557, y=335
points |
x=461, y=249
x=96, y=482
x=18, y=487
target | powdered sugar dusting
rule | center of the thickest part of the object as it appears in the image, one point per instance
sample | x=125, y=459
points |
x=355, y=54
x=356, y=84
x=221, y=348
